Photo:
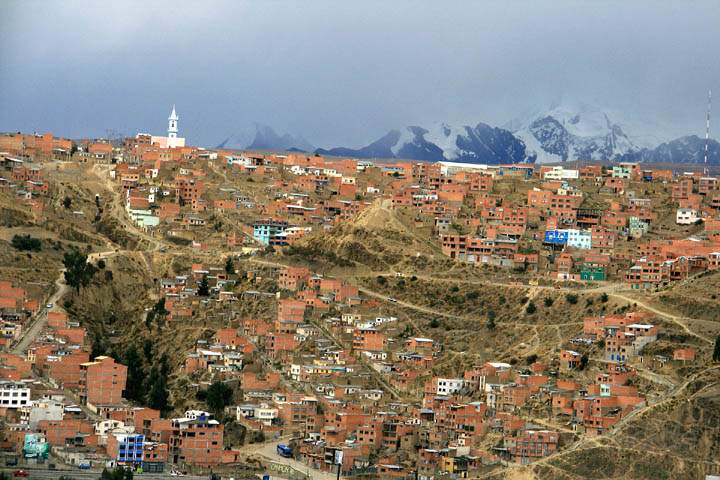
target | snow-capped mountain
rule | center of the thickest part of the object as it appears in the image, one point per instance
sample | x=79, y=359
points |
x=567, y=131
x=574, y=132
x=688, y=149
x=265, y=138
x=479, y=144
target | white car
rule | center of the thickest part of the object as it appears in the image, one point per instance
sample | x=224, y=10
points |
x=49, y=305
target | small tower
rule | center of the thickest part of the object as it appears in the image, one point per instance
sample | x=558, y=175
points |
x=172, y=124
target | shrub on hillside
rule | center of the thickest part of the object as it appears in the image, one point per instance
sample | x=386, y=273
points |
x=26, y=243
x=571, y=298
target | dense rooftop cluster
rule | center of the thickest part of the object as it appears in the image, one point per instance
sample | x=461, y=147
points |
x=321, y=358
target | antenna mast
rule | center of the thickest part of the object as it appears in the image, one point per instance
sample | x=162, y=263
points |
x=707, y=131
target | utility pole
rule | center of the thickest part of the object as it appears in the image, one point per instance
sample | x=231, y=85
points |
x=338, y=457
x=707, y=131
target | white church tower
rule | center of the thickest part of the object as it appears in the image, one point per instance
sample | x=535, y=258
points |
x=172, y=140
x=172, y=125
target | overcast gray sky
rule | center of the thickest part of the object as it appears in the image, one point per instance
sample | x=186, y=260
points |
x=343, y=73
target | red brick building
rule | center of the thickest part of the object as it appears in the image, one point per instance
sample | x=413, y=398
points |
x=196, y=441
x=103, y=381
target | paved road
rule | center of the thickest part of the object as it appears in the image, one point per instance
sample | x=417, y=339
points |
x=269, y=451
x=38, y=324
x=40, y=321
x=90, y=475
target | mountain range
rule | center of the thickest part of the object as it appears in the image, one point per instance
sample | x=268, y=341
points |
x=265, y=138
x=563, y=133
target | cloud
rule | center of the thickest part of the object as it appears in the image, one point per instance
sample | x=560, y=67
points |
x=345, y=72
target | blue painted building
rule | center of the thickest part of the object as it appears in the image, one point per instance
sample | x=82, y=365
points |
x=264, y=230
x=126, y=447
x=558, y=237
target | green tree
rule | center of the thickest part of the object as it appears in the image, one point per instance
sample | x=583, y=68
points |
x=490, y=324
x=571, y=298
x=531, y=308
x=164, y=366
x=118, y=473
x=26, y=243
x=584, y=361
x=78, y=272
x=204, y=288
x=148, y=351
x=157, y=312
x=67, y=202
x=135, y=374
x=604, y=297
x=157, y=391
x=229, y=266
x=218, y=396
x=716, y=352
x=548, y=301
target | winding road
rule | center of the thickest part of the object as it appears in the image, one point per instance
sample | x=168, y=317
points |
x=41, y=318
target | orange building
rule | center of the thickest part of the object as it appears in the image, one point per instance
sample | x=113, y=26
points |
x=59, y=433
x=103, y=381
x=369, y=339
x=197, y=441
x=293, y=278
x=66, y=371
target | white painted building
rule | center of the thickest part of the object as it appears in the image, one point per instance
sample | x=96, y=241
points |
x=103, y=427
x=686, y=216
x=448, y=386
x=14, y=395
x=579, y=238
x=46, y=409
x=195, y=414
x=265, y=414
x=560, y=173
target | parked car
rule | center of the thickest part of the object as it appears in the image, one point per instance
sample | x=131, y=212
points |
x=284, y=450
x=49, y=306
x=20, y=473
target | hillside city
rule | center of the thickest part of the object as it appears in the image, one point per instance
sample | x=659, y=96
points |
x=175, y=310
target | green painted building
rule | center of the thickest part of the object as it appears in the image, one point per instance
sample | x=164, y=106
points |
x=592, y=274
